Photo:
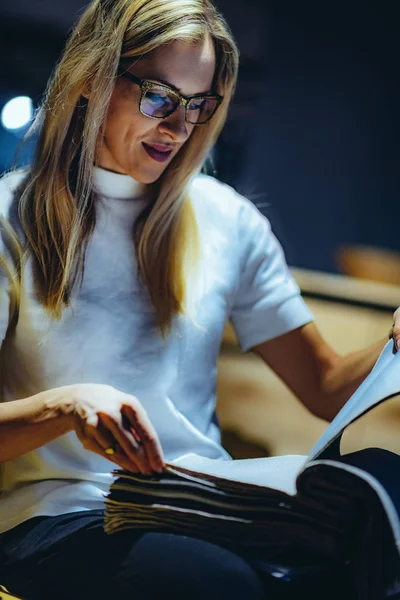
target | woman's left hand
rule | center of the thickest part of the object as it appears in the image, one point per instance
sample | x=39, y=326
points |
x=396, y=328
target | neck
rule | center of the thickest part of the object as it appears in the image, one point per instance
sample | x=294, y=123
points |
x=116, y=185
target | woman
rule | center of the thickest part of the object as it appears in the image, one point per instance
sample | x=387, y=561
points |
x=116, y=286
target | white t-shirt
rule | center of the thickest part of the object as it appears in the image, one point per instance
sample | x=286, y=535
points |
x=109, y=336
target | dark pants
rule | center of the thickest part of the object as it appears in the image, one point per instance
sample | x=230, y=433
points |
x=70, y=556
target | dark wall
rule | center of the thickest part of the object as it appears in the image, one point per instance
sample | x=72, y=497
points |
x=322, y=143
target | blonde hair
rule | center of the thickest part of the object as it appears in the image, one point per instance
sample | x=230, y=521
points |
x=56, y=205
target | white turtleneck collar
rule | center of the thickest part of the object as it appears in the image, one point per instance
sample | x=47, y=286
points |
x=115, y=185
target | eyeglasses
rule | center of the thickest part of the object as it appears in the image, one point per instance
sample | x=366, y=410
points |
x=159, y=101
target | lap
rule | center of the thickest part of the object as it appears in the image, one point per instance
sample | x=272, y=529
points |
x=71, y=556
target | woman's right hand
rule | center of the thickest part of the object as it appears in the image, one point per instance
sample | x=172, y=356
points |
x=104, y=417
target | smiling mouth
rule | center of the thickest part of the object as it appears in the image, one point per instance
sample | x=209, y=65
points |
x=155, y=154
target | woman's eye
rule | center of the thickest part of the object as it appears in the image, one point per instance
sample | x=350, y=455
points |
x=196, y=104
x=156, y=97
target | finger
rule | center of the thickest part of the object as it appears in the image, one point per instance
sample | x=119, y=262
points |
x=122, y=461
x=133, y=450
x=90, y=443
x=94, y=429
x=101, y=434
x=395, y=332
x=144, y=429
x=396, y=336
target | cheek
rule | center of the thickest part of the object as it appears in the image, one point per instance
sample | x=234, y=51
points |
x=191, y=128
x=124, y=125
x=123, y=117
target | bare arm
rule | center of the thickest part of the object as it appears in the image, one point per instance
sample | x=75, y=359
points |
x=321, y=379
x=100, y=415
x=32, y=422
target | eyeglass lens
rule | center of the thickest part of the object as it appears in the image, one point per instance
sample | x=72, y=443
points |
x=160, y=103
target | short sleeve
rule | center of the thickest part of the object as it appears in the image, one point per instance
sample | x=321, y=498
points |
x=267, y=302
x=4, y=289
x=8, y=183
x=4, y=307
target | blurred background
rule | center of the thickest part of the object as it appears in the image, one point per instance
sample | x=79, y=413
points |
x=313, y=133
x=312, y=139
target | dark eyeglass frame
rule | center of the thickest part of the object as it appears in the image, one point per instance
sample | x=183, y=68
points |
x=146, y=84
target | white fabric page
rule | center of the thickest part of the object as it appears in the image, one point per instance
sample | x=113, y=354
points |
x=383, y=381
x=276, y=472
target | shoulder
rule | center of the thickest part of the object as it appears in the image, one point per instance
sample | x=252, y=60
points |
x=9, y=182
x=9, y=218
x=220, y=202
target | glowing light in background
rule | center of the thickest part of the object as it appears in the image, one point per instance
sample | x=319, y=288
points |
x=17, y=113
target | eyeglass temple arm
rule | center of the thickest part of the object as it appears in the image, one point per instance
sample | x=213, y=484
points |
x=124, y=73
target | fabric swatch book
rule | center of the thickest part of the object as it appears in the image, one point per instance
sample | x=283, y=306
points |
x=327, y=506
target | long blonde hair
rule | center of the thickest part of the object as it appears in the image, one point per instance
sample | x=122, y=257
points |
x=56, y=205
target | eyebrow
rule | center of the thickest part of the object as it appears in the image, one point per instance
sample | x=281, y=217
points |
x=173, y=87
x=161, y=80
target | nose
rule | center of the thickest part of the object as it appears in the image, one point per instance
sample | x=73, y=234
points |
x=175, y=125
